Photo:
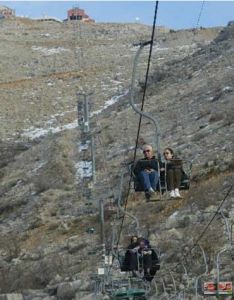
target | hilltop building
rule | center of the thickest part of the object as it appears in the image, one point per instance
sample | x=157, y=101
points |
x=6, y=12
x=48, y=19
x=78, y=14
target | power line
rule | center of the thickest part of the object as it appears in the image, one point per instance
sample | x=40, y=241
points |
x=210, y=222
x=212, y=219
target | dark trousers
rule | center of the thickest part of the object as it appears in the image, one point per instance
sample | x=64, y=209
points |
x=146, y=262
x=130, y=261
x=173, y=178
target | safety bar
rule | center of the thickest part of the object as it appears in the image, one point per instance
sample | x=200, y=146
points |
x=227, y=225
x=125, y=212
x=203, y=274
x=232, y=233
x=142, y=43
x=164, y=289
x=232, y=241
x=218, y=263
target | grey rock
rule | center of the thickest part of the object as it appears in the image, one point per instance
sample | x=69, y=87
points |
x=87, y=297
x=65, y=291
x=34, y=295
x=11, y=297
x=174, y=234
x=210, y=163
x=11, y=149
x=57, y=279
x=51, y=289
x=74, y=244
x=77, y=284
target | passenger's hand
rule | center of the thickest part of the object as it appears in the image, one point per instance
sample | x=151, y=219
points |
x=149, y=170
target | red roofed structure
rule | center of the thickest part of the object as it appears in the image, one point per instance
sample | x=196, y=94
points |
x=78, y=14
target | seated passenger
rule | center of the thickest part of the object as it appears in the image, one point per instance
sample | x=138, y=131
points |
x=130, y=262
x=148, y=260
x=146, y=170
x=173, y=173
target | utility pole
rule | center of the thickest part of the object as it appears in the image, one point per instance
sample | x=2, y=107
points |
x=84, y=125
x=86, y=115
x=101, y=214
x=93, y=158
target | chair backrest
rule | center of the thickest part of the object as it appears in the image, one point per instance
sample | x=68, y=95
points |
x=186, y=175
x=121, y=261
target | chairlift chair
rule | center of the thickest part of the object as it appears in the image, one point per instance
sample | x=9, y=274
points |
x=222, y=288
x=124, y=268
x=185, y=179
x=130, y=294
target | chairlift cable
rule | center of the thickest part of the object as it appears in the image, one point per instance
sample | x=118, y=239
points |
x=139, y=127
x=142, y=107
x=200, y=13
x=140, y=119
x=147, y=75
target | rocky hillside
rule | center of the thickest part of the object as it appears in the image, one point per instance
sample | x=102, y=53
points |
x=50, y=238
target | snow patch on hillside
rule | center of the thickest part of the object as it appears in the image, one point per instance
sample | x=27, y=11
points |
x=49, y=51
x=83, y=169
x=34, y=133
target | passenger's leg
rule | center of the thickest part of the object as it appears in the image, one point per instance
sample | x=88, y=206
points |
x=133, y=261
x=177, y=178
x=145, y=180
x=126, y=262
x=171, y=183
x=153, y=176
x=147, y=264
x=170, y=180
x=147, y=261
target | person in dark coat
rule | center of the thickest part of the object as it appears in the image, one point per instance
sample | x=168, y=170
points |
x=148, y=260
x=146, y=170
x=130, y=262
x=173, y=172
x=141, y=257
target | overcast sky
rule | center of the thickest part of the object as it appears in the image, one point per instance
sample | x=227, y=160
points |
x=172, y=14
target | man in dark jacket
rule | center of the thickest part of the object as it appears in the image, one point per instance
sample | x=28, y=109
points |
x=146, y=170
